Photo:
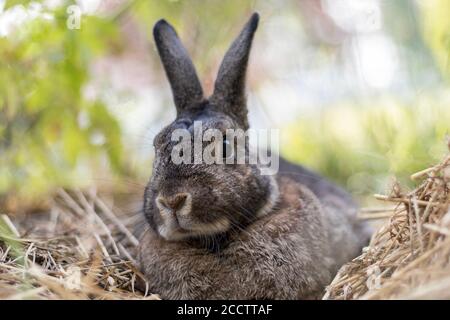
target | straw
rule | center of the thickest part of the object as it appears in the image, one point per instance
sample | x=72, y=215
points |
x=81, y=249
x=409, y=256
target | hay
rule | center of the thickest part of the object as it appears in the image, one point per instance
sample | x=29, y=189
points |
x=409, y=256
x=80, y=249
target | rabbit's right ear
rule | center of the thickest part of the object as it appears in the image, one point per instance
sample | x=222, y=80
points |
x=229, y=88
x=186, y=87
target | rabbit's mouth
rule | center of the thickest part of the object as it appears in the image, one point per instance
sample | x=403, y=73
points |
x=171, y=233
x=178, y=221
x=179, y=229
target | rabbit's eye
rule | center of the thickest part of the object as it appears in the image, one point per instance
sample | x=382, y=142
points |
x=227, y=149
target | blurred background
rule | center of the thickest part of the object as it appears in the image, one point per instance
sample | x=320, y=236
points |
x=359, y=88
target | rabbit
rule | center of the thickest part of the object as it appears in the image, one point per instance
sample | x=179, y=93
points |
x=225, y=231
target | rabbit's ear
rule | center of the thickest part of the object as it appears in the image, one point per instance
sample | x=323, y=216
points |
x=180, y=71
x=229, y=88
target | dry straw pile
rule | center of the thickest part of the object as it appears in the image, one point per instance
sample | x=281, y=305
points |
x=409, y=256
x=83, y=249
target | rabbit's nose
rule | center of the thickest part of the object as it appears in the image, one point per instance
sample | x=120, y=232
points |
x=175, y=203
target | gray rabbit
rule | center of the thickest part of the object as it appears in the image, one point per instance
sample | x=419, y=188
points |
x=225, y=231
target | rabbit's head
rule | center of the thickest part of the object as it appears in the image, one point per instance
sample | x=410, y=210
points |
x=200, y=200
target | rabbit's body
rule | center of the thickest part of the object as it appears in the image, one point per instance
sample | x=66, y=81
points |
x=347, y=233
x=225, y=231
x=291, y=253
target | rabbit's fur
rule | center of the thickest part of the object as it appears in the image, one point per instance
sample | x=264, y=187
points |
x=247, y=235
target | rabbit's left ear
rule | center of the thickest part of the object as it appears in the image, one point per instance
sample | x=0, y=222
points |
x=186, y=87
x=229, y=88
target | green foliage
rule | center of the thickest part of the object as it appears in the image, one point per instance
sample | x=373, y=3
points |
x=44, y=68
x=8, y=238
x=12, y=3
x=436, y=32
x=363, y=147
